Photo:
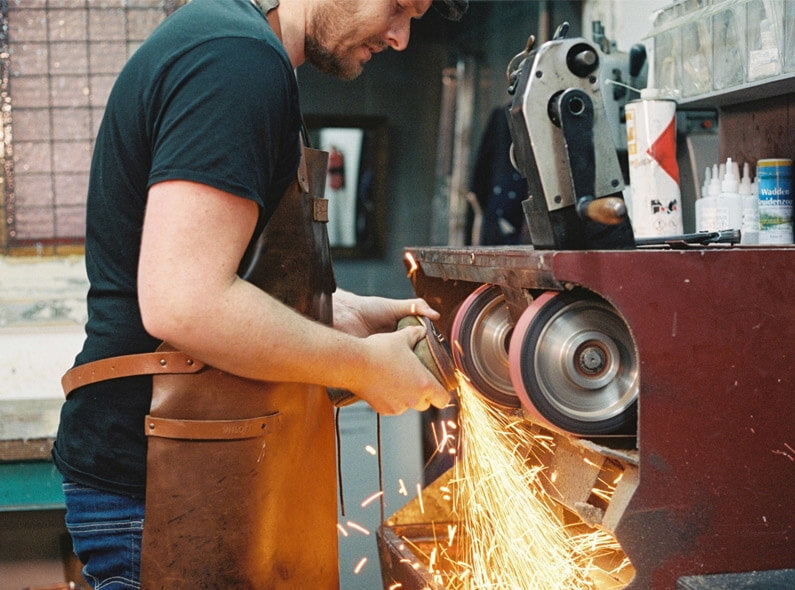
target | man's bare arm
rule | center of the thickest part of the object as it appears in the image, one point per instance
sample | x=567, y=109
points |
x=190, y=296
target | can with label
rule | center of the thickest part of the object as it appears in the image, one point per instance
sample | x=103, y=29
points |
x=655, y=200
x=775, y=200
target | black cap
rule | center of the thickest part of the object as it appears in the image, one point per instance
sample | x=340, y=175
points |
x=451, y=9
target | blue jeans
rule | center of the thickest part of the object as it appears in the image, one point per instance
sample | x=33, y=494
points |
x=106, y=532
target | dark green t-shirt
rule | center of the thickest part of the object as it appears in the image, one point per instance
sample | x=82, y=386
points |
x=210, y=97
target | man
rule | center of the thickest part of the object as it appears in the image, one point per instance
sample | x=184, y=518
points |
x=207, y=271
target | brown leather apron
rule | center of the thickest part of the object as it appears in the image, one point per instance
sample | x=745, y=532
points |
x=240, y=487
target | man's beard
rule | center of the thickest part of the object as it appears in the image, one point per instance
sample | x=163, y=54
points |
x=318, y=47
x=330, y=63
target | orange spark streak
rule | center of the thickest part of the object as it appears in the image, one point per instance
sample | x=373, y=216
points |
x=370, y=449
x=435, y=437
x=419, y=495
x=451, y=533
x=402, y=488
x=440, y=444
x=371, y=498
x=360, y=565
x=618, y=479
x=452, y=424
x=395, y=586
x=413, y=266
x=357, y=527
x=589, y=462
x=413, y=309
x=342, y=530
x=602, y=494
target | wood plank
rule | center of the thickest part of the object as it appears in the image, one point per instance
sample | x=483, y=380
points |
x=26, y=450
x=758, y=129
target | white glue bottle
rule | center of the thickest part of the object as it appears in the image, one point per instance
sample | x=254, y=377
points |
x=707, y=178
x=707, y=206
x=730, y=203
x=749, y=233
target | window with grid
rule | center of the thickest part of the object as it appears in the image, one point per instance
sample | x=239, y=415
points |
x=59, y=60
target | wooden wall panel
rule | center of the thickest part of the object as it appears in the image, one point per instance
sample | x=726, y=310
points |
x=753, y=130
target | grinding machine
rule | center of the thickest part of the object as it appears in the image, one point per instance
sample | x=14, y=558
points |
x=667, y=363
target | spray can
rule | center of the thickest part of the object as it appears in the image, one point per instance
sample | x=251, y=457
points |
x=775, y=200
x=653, y=171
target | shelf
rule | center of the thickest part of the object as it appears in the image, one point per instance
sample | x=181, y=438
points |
x=767, y=88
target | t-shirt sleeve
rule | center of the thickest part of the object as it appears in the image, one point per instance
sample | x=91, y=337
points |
x=225, y=115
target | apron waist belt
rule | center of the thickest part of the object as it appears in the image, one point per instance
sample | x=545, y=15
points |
x=148, y=363
x=168, y=363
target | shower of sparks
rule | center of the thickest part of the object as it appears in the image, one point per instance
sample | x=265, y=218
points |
x=513, y=537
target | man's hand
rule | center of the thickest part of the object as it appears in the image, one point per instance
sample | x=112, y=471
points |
x=397, y=380
x=364, y=316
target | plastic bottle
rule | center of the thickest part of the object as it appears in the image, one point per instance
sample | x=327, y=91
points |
x=730, y=203
x=750, y=228
x=707, y=178
x=707, y=206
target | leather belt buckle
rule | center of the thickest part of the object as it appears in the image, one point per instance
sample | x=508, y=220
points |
x=320, y=210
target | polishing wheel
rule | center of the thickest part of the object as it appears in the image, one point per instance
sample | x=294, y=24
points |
x=574, y=364
x=480, y=335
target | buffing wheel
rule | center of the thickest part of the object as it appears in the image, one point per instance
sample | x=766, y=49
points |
x=480, y=335
x=574, y=364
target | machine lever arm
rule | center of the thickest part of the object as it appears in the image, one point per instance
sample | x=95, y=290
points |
x=572, y=109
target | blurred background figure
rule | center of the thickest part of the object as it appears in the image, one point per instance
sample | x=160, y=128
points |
x=497, y=189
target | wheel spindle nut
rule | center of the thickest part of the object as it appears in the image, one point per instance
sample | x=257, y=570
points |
x=591, y=359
